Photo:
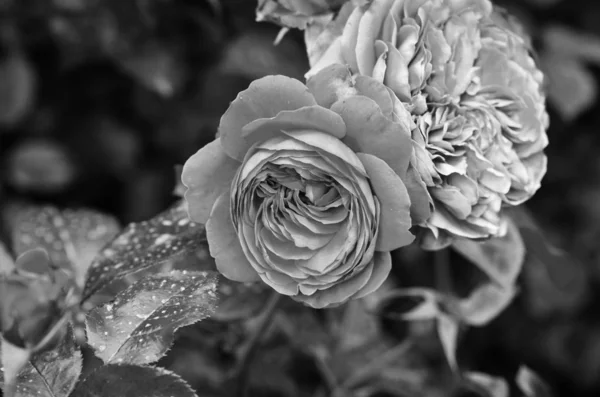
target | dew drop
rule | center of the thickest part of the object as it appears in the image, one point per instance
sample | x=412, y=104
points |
x=101, y=348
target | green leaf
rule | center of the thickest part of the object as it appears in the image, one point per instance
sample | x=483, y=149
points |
x=71, y=237
x=448, y=327
x=501, y=258
x=14, y=359
x=484, y=304
x=143, y=245
x=410, y=304
x=50, y=374
x=132, y=381
x=240, y=301
x=138, y=326
x=531, y=384
x=487, y=385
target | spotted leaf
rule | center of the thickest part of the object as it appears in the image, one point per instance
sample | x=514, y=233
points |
x=143, y=245
x=138, y=326
x=50, y=374
x=72, y=237
x=132, y=381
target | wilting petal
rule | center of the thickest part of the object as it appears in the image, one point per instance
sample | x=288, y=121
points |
x=207, y=175
x=369, y=131
x=264, y=98
x=394, y=221
x=306, y=118
x=382, y=265
x=224, y=244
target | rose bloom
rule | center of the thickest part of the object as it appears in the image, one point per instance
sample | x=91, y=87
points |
x=303, y=187
x=465, y=73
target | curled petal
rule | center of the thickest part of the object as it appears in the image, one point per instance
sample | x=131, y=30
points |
x=368, y=30
x=264, y=98
x=207, y=175
x=369, y=131
x=331, y=84
x=224, y=244
x=382, y=265
x=306, y=118
x=338, y=293
x=394, y=222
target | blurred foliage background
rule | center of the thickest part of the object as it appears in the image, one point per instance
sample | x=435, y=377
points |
x=100, y=99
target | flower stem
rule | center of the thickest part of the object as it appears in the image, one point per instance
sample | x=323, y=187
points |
x=443, y=277
x=240, y=373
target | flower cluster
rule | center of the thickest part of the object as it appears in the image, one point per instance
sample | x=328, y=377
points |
x=465, y=73
x=420, y=115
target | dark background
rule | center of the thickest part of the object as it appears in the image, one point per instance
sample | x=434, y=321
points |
x=100, y=99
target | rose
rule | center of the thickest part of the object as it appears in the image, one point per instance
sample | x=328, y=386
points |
x=303, y=188
x=32, y=300
x=475, y=95
x=295, y=13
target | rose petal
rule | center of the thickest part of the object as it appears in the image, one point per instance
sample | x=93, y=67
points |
x=308, y=117
x=369, y=131
x=394, y=221
x=378, y=92
x=207, y=175
x=331, y=84
x=350, y=37
x=329, y=144
x=382, y=265
x=333, y=55
x=368, y=29
x=420, y=202
x=224, y=245
x=264, y=98
x=337, y=293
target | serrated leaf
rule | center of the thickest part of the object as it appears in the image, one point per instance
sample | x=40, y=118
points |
x=132, y=381
x=484, y=304
x=53, y=373
x=143, y=245
x=489, y=386
x=531, y=384
x=501, y=258
x=71, y=237
x=138, y=326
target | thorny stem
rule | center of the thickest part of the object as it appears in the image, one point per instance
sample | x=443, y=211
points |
x=240, y=373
